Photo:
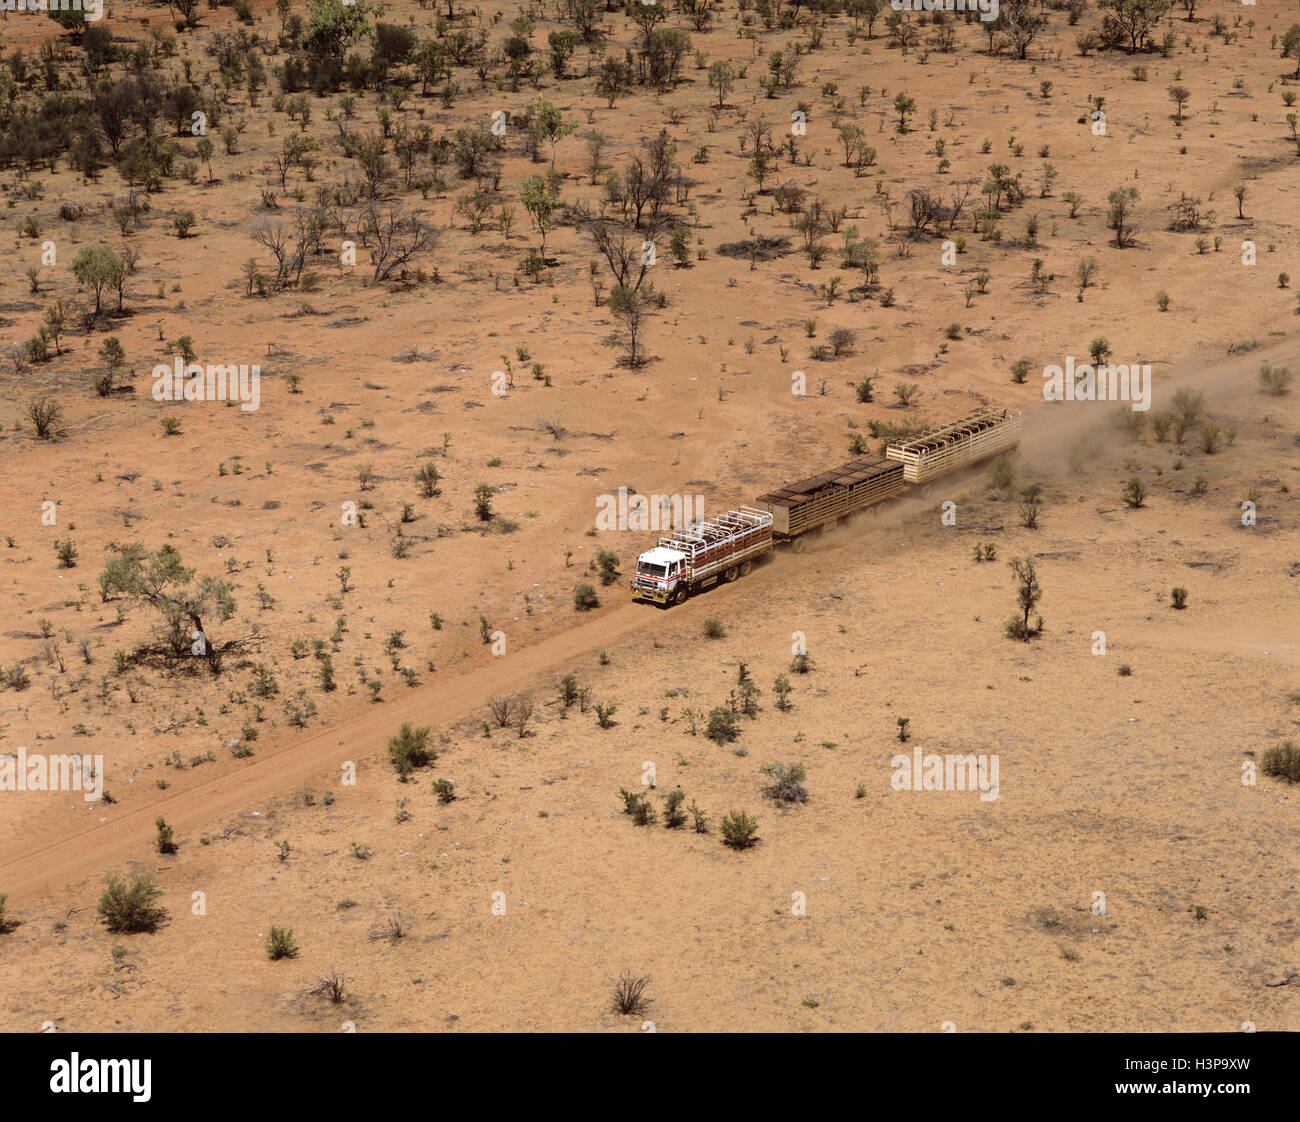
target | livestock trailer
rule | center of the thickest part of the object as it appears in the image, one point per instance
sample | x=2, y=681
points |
x=821, y=500
x=956, y=445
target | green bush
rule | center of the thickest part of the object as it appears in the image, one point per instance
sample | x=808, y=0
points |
x=445, y=789
x=1282, y=760
x=714, y=629
x=673, y=816
x=585, y=598
x=410, y=749
x=280, y=944
x=1135, y=492
x=166, y=842
x=739, y=830
x=129, y=909
x=607, y=564
x=722, y=728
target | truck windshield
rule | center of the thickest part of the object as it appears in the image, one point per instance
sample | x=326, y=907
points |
x=646, y=569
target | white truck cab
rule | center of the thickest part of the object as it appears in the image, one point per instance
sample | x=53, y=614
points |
x=659, y=571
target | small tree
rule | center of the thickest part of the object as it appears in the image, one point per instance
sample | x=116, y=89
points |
x=1028, y=593
x=161, y=581
x=98, y=268
x=630, y=306
x=551, y=125
x=721, y=78
x=540, y=205
x=1179, y=95
x=1135, y=492
x=1119, y=215
x=904, y=106
x=112, y=355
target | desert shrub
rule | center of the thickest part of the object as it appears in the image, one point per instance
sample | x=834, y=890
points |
x=409, y=749
x=166, y=841
x=629, y=996
x=427, y=479
x=714, y=629
x=501, y=709
x=722, y=727
x=673, y=816
x=445, y=789
x=1178, y=597
x=131, y=908
x=781, y=687
x=1275, y=380
x=1282, y=760
x=787, y=783
x=331, y=986
x=842, y=340
x=280, y=944
x=607, y=566
x=605, y=715
x=744, y=698
x=569, y=690
x=1188, y=404
x=585, y=598
x=1135, y=492
x=44, y=415
x=1209, y=433
x=801, y=664
x=6, y=924
x=739, y=830
x=1002, y=472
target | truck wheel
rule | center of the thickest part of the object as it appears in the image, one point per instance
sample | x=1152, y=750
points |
x=798, y=545
x=679, y=597
x=744, y=569
x=732, y=574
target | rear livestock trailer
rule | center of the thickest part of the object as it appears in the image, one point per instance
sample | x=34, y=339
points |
x=957, y=445
x=821, y=500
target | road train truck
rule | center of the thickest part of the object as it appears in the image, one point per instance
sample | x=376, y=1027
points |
x=725, y=547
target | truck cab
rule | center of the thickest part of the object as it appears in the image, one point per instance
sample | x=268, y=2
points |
x=660, y=576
